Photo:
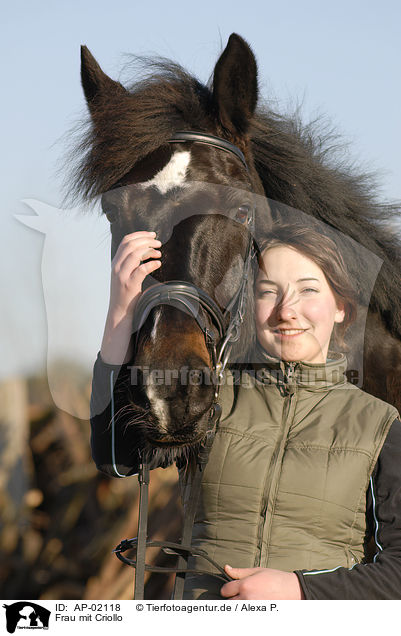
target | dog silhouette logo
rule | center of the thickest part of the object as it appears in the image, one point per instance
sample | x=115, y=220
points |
x=26, y=615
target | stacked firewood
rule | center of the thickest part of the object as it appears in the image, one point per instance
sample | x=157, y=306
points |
x=60, y=517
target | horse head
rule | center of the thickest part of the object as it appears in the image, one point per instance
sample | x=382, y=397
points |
x=196, y=189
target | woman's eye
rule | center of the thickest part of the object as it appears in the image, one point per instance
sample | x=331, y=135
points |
x=267, y=292
x=309, y=290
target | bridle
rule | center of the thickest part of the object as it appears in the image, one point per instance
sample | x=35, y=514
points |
x=219, y=340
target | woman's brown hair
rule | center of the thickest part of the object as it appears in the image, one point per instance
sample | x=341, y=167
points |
x=323, y=252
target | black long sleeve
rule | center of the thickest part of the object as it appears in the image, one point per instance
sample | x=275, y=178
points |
x=115, y=444
x=380, y=579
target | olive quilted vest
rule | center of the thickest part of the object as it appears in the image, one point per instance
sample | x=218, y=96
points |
x=285, y=485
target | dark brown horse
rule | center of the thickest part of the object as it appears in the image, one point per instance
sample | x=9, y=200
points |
x=149, y=183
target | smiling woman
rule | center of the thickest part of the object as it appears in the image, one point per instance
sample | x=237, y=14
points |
x=312, y=428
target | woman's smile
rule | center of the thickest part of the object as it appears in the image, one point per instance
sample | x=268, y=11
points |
x=288, y=333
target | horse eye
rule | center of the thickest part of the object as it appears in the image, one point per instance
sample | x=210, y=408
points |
x=243, y=214
x=111, y=213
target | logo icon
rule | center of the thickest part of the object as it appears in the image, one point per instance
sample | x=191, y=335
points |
x=26, y=615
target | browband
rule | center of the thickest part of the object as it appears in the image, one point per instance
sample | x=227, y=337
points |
x=210, y=140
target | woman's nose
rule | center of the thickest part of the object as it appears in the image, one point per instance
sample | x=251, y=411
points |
x=286, y=307
x=285, y=311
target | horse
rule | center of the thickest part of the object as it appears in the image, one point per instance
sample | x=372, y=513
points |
x=167, y=146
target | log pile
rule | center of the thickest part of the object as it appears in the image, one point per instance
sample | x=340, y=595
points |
x=60, y=517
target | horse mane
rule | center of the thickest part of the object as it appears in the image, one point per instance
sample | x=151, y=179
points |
x=302, y=166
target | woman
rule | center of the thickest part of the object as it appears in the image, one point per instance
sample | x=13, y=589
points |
x=304, y=468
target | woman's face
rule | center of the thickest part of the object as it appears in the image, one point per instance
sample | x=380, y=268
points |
x=295, y=306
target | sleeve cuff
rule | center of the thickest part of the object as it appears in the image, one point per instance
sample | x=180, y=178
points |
x=302, y=584
x=109, y=367
x=103, y=381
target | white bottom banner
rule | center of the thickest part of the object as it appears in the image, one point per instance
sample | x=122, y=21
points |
x=125, y=617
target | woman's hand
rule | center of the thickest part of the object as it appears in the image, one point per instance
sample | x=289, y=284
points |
x=261, y=584
x=127, y=275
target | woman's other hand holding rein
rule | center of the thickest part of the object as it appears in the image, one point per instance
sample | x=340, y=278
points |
x=262, y=584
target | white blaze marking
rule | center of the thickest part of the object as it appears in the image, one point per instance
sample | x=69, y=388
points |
x=157, y=316
x=159, y=407
x=172, y=175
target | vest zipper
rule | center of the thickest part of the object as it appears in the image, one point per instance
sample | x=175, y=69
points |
x=289, y=373
x=273, y=472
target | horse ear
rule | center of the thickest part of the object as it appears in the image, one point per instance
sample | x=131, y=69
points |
x=235, y=86
x=95, y=82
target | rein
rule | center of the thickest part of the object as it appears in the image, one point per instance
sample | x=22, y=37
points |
x=219, y=341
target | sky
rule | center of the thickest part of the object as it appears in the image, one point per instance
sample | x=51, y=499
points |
x=339, y=59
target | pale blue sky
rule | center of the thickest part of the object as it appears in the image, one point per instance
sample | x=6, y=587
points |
x=341, y=59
